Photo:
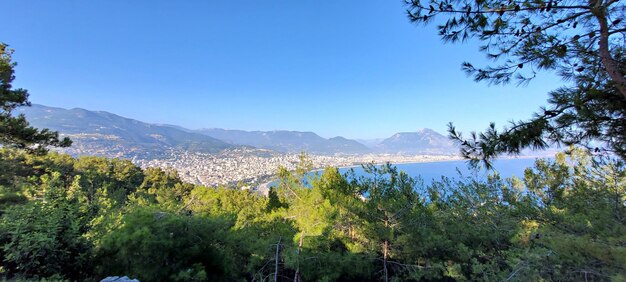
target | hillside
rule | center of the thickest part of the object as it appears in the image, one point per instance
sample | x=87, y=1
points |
x=106, y=134
x=103, y=133
x=423, y=141
x=288, y=141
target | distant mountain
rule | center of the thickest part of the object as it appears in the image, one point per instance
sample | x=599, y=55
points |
x=423, y=141
x=107, y=134
x=288, y=141
x=103, y=133
x=370, y=143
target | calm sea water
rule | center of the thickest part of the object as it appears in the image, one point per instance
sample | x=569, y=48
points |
x=455, y=169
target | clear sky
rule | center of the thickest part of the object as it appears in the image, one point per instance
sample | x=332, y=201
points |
x=357, y=69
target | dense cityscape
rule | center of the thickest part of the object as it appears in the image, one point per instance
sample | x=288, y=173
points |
x=255, y=167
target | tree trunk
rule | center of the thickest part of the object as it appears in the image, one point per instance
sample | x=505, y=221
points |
x=385, y=249
x=296, y=277
x=385, y=253
x=277, y=259
x=611, y=66
x=351, y=228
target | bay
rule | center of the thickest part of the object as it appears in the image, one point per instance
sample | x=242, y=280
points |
x=429, y=171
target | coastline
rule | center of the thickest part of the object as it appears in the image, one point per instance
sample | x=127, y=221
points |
x=400, y=162
x=264, y=187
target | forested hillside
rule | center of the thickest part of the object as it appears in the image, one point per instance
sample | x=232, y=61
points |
x=88, y=218
x=106, y=134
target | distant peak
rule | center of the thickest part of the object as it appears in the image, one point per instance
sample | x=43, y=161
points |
x=425, y=130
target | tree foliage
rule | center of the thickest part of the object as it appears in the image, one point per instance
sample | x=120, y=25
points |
x=165, y=246
x=15, y=131
x=88, y=218
x=45, y=238
x=582, y=41
x=82, y=219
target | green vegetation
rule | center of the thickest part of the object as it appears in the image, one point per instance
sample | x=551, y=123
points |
x=582, y=41
x=15, y=131
x=83, y=219
x=87, y=218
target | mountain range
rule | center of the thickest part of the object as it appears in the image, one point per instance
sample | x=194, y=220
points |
x=423, y=141
x=99, y=132
x=288, y=141
x=104, y=133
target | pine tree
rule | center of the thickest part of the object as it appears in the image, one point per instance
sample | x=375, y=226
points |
x=15, y=131
x=581, y=40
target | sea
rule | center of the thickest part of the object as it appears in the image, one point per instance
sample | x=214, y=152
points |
x=429, y=172
x=433, y=171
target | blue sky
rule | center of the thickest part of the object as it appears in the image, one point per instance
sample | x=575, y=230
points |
x=358, y=69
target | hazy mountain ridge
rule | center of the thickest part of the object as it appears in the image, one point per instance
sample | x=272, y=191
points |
x=423, y=141
x=110, y=134
x=104, y=133
x=370, y=143
x=288, y=141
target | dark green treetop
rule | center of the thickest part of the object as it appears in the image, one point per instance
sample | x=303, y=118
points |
x=581, y=40
x=15, y=131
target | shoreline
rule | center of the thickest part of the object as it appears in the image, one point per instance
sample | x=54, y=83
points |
x=266, y=185
x=439, y=161
x=263, y=188
x=393, y=163
x=401, y=162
